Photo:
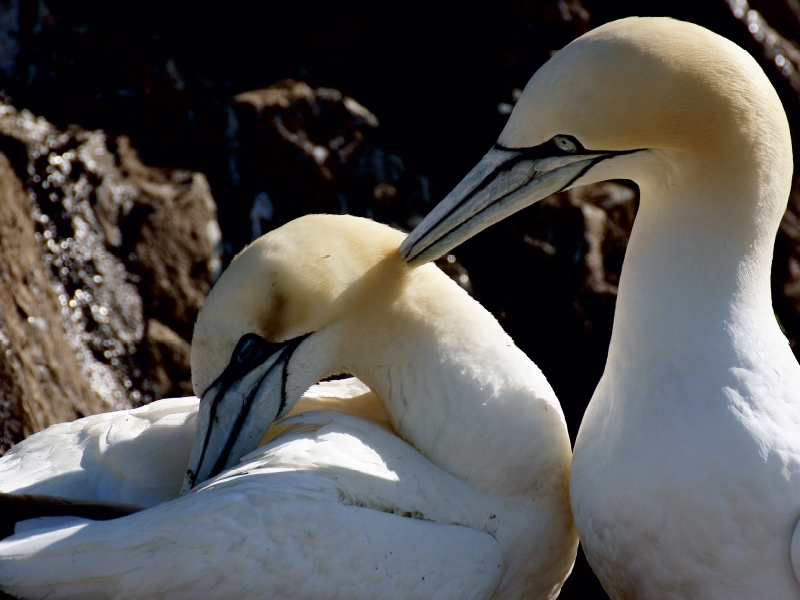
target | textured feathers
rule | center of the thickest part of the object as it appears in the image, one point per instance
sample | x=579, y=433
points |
x=409, y=531
x=458, y=474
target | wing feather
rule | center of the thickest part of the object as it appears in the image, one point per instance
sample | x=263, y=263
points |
x=320, y=512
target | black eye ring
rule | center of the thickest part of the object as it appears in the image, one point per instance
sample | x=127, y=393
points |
x=251, y=349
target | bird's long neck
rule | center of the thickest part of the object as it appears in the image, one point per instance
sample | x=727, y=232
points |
x=695, y=286
x=462, y=393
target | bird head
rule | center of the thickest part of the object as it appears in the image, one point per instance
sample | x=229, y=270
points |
x=263, y=335
x=654, y=100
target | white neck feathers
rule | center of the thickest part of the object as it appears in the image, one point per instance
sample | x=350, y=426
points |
x=697, y=267
x=468, y=398
x=454, y=385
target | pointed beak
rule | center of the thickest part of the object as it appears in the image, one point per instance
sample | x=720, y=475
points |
x=503, y=182
x=235, y=413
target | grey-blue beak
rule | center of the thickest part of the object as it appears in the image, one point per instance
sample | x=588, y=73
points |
x=504, y=181
x=238, y=408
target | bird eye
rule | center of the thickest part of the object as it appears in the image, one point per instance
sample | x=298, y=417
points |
x=565, y=144
x=250, y=349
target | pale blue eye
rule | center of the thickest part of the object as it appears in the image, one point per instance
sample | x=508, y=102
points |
x=565, y=144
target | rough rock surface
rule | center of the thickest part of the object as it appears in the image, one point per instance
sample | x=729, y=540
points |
x=41, y=379
x=298, y=150
x=105, y=263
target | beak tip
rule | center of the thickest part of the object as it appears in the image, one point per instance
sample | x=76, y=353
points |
x=405, y=247
x=420, y=256
x=408, y=258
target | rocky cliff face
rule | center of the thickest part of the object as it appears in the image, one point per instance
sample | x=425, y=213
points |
x=41, y=382
x=105, y=263
x=297, y=150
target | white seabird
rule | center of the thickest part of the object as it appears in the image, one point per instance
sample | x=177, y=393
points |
x=686, y=473
x=458, y=490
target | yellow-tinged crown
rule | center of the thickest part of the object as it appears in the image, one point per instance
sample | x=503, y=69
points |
x=649, y=83
x=290, y=282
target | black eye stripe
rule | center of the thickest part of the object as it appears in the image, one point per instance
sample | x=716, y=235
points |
x=250, y=351
x=546, y=149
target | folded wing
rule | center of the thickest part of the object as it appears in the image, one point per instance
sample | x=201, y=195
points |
x=335, y=507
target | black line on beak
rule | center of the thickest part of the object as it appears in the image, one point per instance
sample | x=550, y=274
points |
x=233, y=373
x=532, y=153
x=285, y=375
x=502, y=167
x=583, y=171
x=565, y=186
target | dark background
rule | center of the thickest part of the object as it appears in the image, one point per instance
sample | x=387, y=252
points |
x=434, y=73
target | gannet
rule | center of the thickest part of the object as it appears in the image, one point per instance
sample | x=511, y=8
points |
x=686, y=473
x=457, y=489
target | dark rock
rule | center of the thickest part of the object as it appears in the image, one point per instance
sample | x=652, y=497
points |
x=299, y=150
x=123, y=256
x=170, y=238
x=42, y=380
x=168, y=355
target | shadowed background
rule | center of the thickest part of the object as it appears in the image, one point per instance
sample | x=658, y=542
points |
x=140, y=150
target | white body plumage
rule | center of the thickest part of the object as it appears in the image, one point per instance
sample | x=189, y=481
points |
x=686, y=474
x=453, y=485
